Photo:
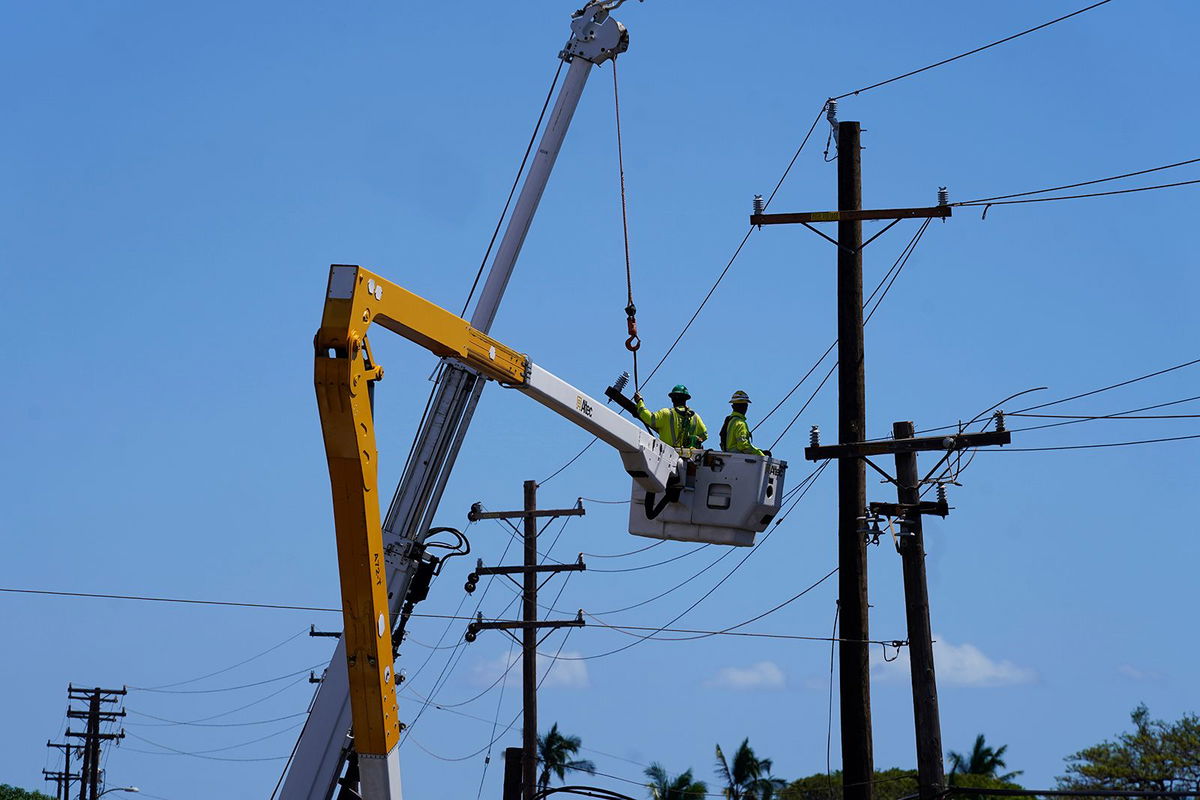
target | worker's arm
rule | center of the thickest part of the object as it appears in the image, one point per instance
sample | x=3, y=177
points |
x=644, y=414
x=739, y=439
x=699, y=429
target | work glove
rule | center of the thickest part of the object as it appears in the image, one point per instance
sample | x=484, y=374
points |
x=767, y=453
x=637, y=397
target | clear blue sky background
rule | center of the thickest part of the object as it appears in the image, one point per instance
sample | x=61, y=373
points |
x=177, y=179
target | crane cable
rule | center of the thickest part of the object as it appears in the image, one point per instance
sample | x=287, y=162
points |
x=634, y=342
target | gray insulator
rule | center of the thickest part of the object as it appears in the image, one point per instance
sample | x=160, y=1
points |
x=759, y=205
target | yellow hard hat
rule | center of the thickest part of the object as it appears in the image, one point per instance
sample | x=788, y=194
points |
x=739, y=397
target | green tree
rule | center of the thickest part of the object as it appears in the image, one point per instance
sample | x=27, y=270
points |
x=682, y=787
x=889, y=784
x=1155, y=756
x=556, y=755
x=13, y=793
x=748, y=777
x=982, y=760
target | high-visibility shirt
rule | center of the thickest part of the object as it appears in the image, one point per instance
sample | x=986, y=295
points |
x=678, y=426
x=735, y=436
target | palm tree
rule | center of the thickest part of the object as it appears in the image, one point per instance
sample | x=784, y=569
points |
x=556, y=752
x=748, y=777
x=983, y=760
x=663, y=787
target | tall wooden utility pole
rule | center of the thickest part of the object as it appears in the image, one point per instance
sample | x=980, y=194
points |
x=858, y=767
x=529, y=623
x=89, y=775
x=858, y=761
x=931, y=775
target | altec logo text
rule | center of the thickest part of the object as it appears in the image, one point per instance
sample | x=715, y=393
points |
x=583, y=406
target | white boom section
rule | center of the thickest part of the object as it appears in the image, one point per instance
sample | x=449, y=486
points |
x=646, y=458
x=314, y=769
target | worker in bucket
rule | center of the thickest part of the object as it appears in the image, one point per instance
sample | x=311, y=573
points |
x=735, y=433
x=678, y=426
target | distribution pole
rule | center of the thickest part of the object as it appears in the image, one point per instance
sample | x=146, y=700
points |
x=529, y=636
x=89, y=775
x=858, y=769
x=930, y=771
x=529, y=625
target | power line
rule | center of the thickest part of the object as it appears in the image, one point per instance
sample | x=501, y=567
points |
x=737, y=251
x=164, y=721
x=1077, y=196
x=229, y=668
x=1077, y=185
x=227, y=688
x=1091, y=446
x=1110, y=387
x=971, y=52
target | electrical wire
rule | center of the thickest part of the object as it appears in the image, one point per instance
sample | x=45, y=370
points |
x=1155, y=374
x=227, y=669
x=1092, y=446
x=971, y=52
x=164, y=721
x=174, y=751
x=1077, y=185
x=1078, y=196
x=737, y=251
x=889, y=278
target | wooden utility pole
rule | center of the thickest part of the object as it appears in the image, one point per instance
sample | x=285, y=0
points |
x=529, y=648
x=858, y=762
x=64, y=778
x=89, y=775
x=930, y=771
x=512, y=773
x=904, y=446
x=529, y=623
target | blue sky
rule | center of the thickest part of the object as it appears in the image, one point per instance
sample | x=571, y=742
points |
x=177, y=179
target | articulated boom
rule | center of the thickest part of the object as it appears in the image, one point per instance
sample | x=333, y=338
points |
x=344, y=372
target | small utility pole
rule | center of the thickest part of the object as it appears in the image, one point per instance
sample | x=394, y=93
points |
x=930, y=771
x=529, y=623
x=63, y=778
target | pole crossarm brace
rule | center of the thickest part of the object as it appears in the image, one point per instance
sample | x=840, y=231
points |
x=477, y=513
x=957, y=441
x=939, y=508
x=850, y=215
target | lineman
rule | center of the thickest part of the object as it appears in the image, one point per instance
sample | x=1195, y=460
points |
x=735, y=433
x=678, y=426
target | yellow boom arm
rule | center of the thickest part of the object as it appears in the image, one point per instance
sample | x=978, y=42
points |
x=356, y=298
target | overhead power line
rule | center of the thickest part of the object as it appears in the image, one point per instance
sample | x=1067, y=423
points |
x=988, y=46
x=1091, y=446
x=1110, y=387
x=1076, y=196
x=1077, y=185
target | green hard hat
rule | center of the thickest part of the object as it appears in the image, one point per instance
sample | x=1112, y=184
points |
x=680, y=389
